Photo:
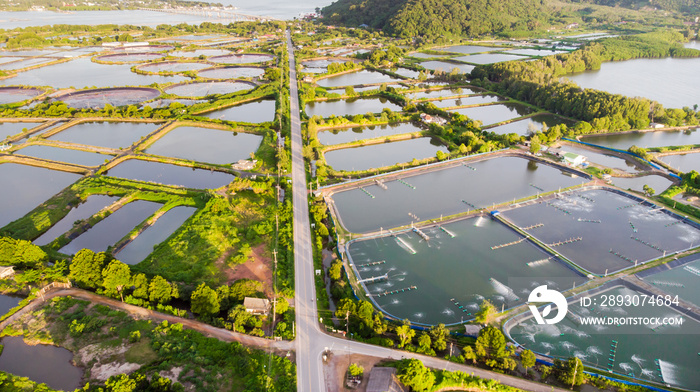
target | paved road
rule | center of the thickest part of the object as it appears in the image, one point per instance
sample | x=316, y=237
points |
x=311, y=341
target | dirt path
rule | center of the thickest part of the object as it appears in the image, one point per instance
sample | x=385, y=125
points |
x=141, y=313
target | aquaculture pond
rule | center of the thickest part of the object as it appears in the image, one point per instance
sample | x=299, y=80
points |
x=105, y=134
x=492, y=114
x=356, y=78
x=199, y=52
x=25, y=63
x=77, y=157
x=623, y=141
x=131, y=57
x=108, y=96
x=466, y=49
x=662, y=353
x=25, y=187
x=206, y=145
x=345, y=135
x=139, y=248
x=536, y=52
x=17, y=94
x=111, y=229
x=345, y=107
x=164, y=173
x=655, y=181
x=670, y=81
x=488, y=58
x=82, y=73
x=462, y=187
x=13, y=128
x=8, y=302
x=678, y=277
x=446, y=66
x=172, y=66
x=602, y=158
x=41, y=363
x=604, y=231
x=231, y=72
x=90, y=207
x=405, y=72
x=466, y=101
x=445, y=278
x=431, y=94
x=384, y=154
x=245, y=58
x=250, y=112
x=534, y=123
x=202, y=89
x=683, y=162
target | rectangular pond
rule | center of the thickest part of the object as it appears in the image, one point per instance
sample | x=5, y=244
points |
x=603, y=230
x=679, y=277
x=78, y=157
x=355, y=78
x=605, y=159
x=90, y=207
x=446, y=66
x=655, y=181
x=350, y=107
x=683, y=162
x=466, y=101
x=450, y=276
x=82, y=73
x=346, y=135
x=493, y=114
x=167, y=174
x=251, y=112
x=466, y=49
x=664, y=354
x=8, y=302
x=525, y=126
x=206, y=145
x=623, y=141
x=105, y=134
x=14, y=128
x=114, y=227
x=25, y=187
x=138, y=249
x=446, y=191
x=385, y=154
x=488, y=58
x=430, y=94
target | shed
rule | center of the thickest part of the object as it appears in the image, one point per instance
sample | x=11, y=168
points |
x=383, y=379
x=259, y=306
x=573, y=159
x=6, y=272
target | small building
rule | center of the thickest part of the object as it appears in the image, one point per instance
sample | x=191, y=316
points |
x=655, y=125
x=383, y=379
x=572, y=159
x=6, y=272
x=257, y=306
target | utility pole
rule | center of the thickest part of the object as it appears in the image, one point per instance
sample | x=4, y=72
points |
x=575, y=369
x=347, y=323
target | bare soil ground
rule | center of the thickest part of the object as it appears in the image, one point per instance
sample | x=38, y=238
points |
x=256, y=268
x=337, y=365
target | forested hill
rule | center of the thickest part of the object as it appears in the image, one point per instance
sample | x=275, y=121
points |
x=687, y=6
x=436, y=18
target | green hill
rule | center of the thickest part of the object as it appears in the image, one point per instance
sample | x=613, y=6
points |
x=433, y=19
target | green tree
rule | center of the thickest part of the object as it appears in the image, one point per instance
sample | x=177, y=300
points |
x=28, y=255
x=439, y=334
x=7, y=250
x=336, y=270
x=355, y=370
x=491, y=344
x=572, y=372
x=468, y=354
x=159, y=290
x=282, y=305
x=486, y=312
x=649, y=191
x=413, y=374
x=405, y=333
x=116, y=276
x=528, y=359
x=140, y=283
x=244, y=288
x=424, y=344
x=204, y=301
x=86, y=269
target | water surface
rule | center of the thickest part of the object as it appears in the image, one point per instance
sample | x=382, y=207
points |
x=202, y=89
x=206, y=145
x=111, y=229
x=350, y=107
x=385, y=154
x=13, y=128
x=25, y=187
x=143, y=245
x=492, y=114
x=623, y=141
x=41, y=363
x=355, y=78
x=105, y=134
x=231, y=72
x=345, y=135
x=77, y=157
x=446, y=66
x=250, y=112
x=164, y=173
x=534, y=123
x=90, y=207
x=683, y=162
